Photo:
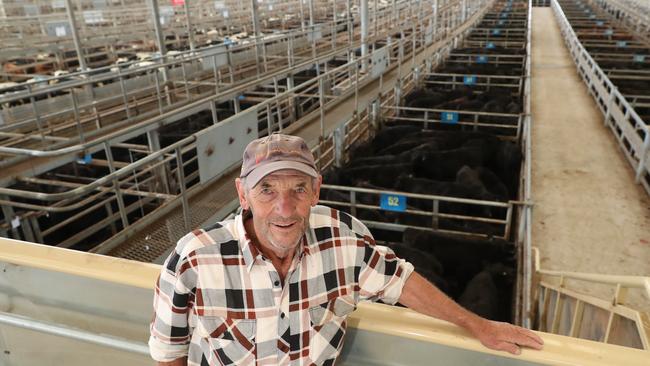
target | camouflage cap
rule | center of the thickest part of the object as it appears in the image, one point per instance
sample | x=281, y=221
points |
x=276, y=152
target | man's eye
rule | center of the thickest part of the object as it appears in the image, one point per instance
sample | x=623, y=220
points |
x=301, y=190
x=266, y=191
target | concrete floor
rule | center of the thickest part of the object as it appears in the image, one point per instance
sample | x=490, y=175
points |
x=589, y=215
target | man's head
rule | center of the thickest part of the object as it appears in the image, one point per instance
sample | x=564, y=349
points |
x=279, y=183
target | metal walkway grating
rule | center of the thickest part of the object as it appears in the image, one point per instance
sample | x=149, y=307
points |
x=152, y=242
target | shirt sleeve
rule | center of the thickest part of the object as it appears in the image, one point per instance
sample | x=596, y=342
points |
x=382, y=274
x=173, y=301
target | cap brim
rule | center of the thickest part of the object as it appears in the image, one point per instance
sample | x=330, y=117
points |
x=258, y=173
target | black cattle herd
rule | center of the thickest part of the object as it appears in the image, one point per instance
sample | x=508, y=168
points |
x=479, y=273
x=450, y=161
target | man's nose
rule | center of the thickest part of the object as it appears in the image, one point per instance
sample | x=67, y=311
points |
x=286, y=204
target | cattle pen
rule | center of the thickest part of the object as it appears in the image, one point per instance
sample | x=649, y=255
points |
x=498, y=138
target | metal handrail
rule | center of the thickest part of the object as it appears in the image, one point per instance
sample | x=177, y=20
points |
x=639, y=282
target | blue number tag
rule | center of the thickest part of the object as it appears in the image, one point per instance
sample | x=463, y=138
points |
x=609, y=32
x=85, y=160
x=392, y=202
x=241, y=97
x=490, y=45
x=496, y=32
x=639, y=58
x=481, y=59
x=469, y=79
x=587, y=11
x=504, y=15
x=621, y=44
x=600, y=23
x=449, y=117
x=592, y=16
x=502, y=22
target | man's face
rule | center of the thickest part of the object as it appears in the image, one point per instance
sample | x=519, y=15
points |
x=280, y=204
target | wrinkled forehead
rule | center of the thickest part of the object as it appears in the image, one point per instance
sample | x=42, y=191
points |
x=285, y=176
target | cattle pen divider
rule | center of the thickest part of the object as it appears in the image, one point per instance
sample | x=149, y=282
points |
x=435, y=214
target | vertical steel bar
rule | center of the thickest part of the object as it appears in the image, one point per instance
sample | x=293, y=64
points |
x=269, y=120
x=644, y=156
x=256, y=32
x=160, y=39
x=37, y=229
x=213, y=111
x=278, y=106
x=125, y=99
x=321, y=100
x=27, y=230
x=364, y=33
x=116, y=185
x=161, y=171
x=181, y=182
x=77, y=117
x=311, y=14
x=75, y=35
x=37, y=117
x=159, y=96
x=9, y=214
x=185, y=82
x=109, y=213
x=215, y=73
x=188, y=24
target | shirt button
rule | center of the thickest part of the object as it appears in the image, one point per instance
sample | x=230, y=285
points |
x=282, y=315
x=276, y=283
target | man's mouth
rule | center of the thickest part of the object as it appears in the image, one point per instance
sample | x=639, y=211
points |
x=284, y=225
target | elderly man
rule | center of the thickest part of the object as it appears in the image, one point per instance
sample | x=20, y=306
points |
x=274, y=285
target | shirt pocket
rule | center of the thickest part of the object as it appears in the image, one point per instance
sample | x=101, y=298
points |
x=231, y=341
x=328, y=328
x=335, y=310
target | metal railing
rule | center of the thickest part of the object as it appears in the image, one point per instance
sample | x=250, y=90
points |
x=112, y=29
x=94, y=99
x=633, y=14
x=564, y=311
x=630, y=130
x=170, y=157
x=441, y=217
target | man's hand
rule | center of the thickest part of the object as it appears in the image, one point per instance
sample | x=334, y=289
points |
x=505, y=337
x=422, y=296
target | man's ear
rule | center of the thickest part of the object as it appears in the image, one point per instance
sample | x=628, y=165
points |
x=316, y=187
x=241, y=193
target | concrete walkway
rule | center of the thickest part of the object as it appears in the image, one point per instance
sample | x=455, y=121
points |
x=589, y=215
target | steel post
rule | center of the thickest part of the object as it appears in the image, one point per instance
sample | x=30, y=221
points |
x=116, y=185
x=188, y=24
x=364, y=33
x=75, y=35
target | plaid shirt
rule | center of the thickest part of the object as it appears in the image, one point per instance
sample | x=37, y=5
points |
x=220, y=302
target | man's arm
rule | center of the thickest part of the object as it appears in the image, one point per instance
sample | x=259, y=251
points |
x=420, y=295
x=176, y=362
